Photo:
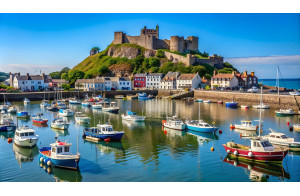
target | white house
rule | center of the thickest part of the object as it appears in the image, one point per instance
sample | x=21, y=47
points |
x=169, y=81
x=153, y=80
x=120, y=83
x=190, y=81
x=226, y=80
x=30, y=82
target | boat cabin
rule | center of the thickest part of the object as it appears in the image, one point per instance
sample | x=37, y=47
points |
x=105, y=128
x=261, y=145
x=277, y=136
x=246, y=123
x=24, y=132
x=60, y=148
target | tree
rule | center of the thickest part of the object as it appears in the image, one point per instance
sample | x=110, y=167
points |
x=166, y=66
x=88, y=76
x=160, y=53
x=154, y=62
x=55, y=75
x=65, y=70
x=65, y=76
x=66, y=87
x=200, y=70
x=103, y=70
x=74, y=75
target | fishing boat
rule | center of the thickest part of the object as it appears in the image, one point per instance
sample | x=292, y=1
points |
x=207, y=101
x=44, y=104
x=53, y=107
x=81, y=118
x=39, y=119
x=220, y=102
x=86, y=104
x=74, y=101
x=59, y=155
x=131, y=116
x=246, y=125
x=7, y=124
x=26, y=101
x=143, y=96
x=285, y=112
x=12, y=110
x=296, y=127
x=174, y=123
x=103, y=131
x=25, y=137
x=245, y=107
x=23, y=114
x=66, y=112
x=61, y=105
x=231, y=104
x=281, y=139
x=111, y=107
x=295, y=93
x=59, y=124
x=199, y=100
x=200, y=125
x=97, y=105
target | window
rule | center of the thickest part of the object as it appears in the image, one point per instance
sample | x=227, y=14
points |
x=67, y=148
x=31, y=134
x=283, y=137
x=278, y=137
x=22, y=134
x=26, y=134
x=53, y=150
x=59, y=150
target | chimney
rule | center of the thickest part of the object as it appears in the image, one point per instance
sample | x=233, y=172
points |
x=215, y=72
x=233, y=73
x=19, y=74
x=43, y=75
x=27, y=74
x=245, y=73
x=252, y=73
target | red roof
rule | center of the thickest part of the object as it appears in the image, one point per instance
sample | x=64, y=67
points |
x=61, y=143
x=224, y=75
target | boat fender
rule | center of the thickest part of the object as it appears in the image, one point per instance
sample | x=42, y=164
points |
x=232, y=126
x=250, y=154
x=41, y=164
x=227, y=159
x=241, y=135
x=228, y=151
x=49, y=170
x=235, y=153
x=249, y=167
x=107, y=140
x=41, y=159
x=235, y=163
x=49, y=162
x=220, y=131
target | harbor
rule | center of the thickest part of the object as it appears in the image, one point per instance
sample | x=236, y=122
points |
x=148, y=151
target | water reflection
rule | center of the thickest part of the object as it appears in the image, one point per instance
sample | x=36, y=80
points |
x=61, y=132
x=23, y=155
x=260, y=172
x=203, y=137
x=62, y=175
x=6, y=135
x=246, y=134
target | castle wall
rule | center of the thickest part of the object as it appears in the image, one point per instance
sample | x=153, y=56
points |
x=192, y=43
x=216, y=62
x=118, y=38
x=161, y=44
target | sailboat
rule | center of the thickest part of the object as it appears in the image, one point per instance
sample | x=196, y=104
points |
x=259, y=150
x=261, y=105
x=44, y=101
x=200, y=125
x=282, y=112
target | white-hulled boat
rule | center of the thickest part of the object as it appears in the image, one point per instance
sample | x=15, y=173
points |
x=246, y=125
x=25, y=137
x=244, y=106
x=74, y=101
x=131, y=116
x=281, y=139
x=207, y=101
x=12, y=110
x=285, y=112
x=59, y=124
x=296, y=127
x=97, y=105
x=295, y=93
x=61, y=105
x=66, y=112
x=261, y=104
x=81, y=118
x=44, y=104
x=111, y=107
x=86, y=104
x=174, y=123
x=26, y=101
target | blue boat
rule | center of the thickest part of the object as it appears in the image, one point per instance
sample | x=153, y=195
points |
x=143, y=96
x=103, y=131
x=200, y=126
x=59, y=155
x=23, y=114
x=232, y=104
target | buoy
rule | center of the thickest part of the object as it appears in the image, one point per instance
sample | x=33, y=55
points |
x=212, y=149
x=165, y=132
x=9, y=140
x=107, y=140
x=232, y=126
x=288, y=123
x=49, y=162
x=49, y=170
x=220, y=131
x=235, y=153
x=241, y=135
x=250, y=154
x=228, y=151
x=291, y=128
x=41, y=159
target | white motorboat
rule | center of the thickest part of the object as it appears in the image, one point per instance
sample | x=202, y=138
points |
x=81, y=118
x=131, y=116
x=97, y=105
x=244, y=106
x=26, y=101
x=246, y=125
x=44, y=104
x=25, y=137
x=174, y=123
x=296, y=127
x=285, y=112
x=295, y=93
x=111, y=107
x=12, y=109
x=59, y=124
x=207, y=101
x=74, y=101
x=281, y=139
x=66, y=112
x=86, y=104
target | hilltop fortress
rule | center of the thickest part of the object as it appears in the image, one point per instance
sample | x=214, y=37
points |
x=149, y=39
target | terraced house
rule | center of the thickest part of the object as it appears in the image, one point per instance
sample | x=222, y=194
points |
x=29, y=82
x=227, y=80
x=153, y=80
x=169, y=81
x=98, y=83
x=188, y=81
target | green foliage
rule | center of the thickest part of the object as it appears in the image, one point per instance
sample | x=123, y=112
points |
x=58, y=74
x=160, y=53
x=3, y=86
x=199, y=54
x=96, y=48
x=166, y=66
x=74, y=75
x=225, y=70
x=228, y=65
x=3, y=76
x=207, y=76
x=66, y=87
x=88, y=76
x=154, y=62
x=200, y=70
x=103, y=70
x=65, y=76
x=153, y=69
x=207, y=87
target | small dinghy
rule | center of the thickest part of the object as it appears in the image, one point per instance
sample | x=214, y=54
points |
x=245, y=107
x=220, y=102
x=12, y=110
x=199, y=100
x=207, y=101
x=296, y=127
x=231, y=104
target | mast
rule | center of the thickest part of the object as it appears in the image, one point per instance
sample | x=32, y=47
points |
x=261, y=102
x=199, y=112
x=278, y=79
x=77, y=144
x=259, y=126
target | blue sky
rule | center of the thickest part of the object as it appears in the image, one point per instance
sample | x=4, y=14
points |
x=48, y=42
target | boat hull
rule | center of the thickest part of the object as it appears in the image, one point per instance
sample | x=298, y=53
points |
x=110, y=110
x=247, y=128
x=284, y=114
x=40, y=121
x=115, y=137
x=7, y=128
x=63, y=127
x=25, y=143
x=231, y=105
x=275, y=157
x=201, y=129
x=135, y=119
x=82, y=120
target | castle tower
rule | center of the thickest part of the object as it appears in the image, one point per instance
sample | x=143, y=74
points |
x=118, y=38
x=192, y=43
x=177, y=43
x=152, y=32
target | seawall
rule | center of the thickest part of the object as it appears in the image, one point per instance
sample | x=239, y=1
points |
x=283, y=101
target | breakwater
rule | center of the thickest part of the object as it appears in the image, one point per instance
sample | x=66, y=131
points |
x=275, y=101
x=50, y=95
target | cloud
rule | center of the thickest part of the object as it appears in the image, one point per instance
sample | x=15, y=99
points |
x=265, y=66
x=31, y=69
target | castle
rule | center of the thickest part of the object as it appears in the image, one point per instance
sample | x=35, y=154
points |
x=149, y=39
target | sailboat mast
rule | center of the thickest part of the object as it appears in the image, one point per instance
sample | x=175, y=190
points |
x=259, y=126
x=278, y=79
x=199, y=112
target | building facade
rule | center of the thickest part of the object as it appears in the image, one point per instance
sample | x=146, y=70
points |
x=226, y=80
x=250, y=79
x=153, y=80
x=169, y=81
x=139, y=80
x=120, y=83
x=188, y=81
x=30, y=82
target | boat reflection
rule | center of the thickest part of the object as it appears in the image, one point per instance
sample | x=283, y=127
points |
x=203, y=138
x=132, y=124
x=259, y=172
x=6, y=135
x=110, y=147
x=39, y=125
x=62, y=175
x=246, y=134
x=25, y=154
x=61, y=132
x=173, y=133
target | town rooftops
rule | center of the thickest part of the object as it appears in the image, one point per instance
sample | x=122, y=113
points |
x=171, y=76
x=155, y=74
x=140, y=75
x=59, y=81
x=119, y=79
x=28, y=77
x=224, y=76
x=95, y=80
x=186, y=76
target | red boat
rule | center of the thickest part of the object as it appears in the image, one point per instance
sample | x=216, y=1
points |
x=39, y=119
x=220, y=102
x=260, y=150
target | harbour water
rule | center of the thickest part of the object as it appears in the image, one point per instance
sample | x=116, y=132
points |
x=149, y=153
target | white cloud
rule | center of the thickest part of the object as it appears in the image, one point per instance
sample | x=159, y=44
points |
x=31, y=69
x=265, y=66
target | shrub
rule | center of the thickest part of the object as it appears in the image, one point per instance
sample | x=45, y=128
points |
x=207, y=87
x=160, y=53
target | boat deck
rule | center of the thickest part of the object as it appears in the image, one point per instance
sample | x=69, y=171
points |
x=46, y=153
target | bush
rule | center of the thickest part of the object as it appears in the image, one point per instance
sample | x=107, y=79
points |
x=154, y=62
x=66, y=87
x=103, y=70
x=160, y=53
x=207, y=87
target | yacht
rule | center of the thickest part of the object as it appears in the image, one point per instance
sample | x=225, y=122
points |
x=111, y=107
x=25, y=137
x=66, y=112
x=131, y=116
x=285, y=112
x=246, y=125
x=174, y=123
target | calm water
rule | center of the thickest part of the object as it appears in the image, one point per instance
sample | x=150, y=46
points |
x=147, y=153
x=287, y=83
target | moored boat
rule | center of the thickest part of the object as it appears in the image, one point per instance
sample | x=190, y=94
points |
x=12, y=110
x=296, y=127
x=131, y=116
x=26, y=101
x=81, y=118
x=23, y=114
x=59, y=124
x=295, y=93
x=220, y=102
x=86, y=104
x=111, y=107
x=207, y=101
x=25, y=137
x=66, y=112
x=7, y=124
x=44, y=103
x=200, y=126
x=174, y=123
x=39, y=119
x=97, y=105
x=74, y=101
x=231, y=104
x=285, y=112
x=245, y=107
x=103, y=131
x=143, y=96
x=246, y=125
